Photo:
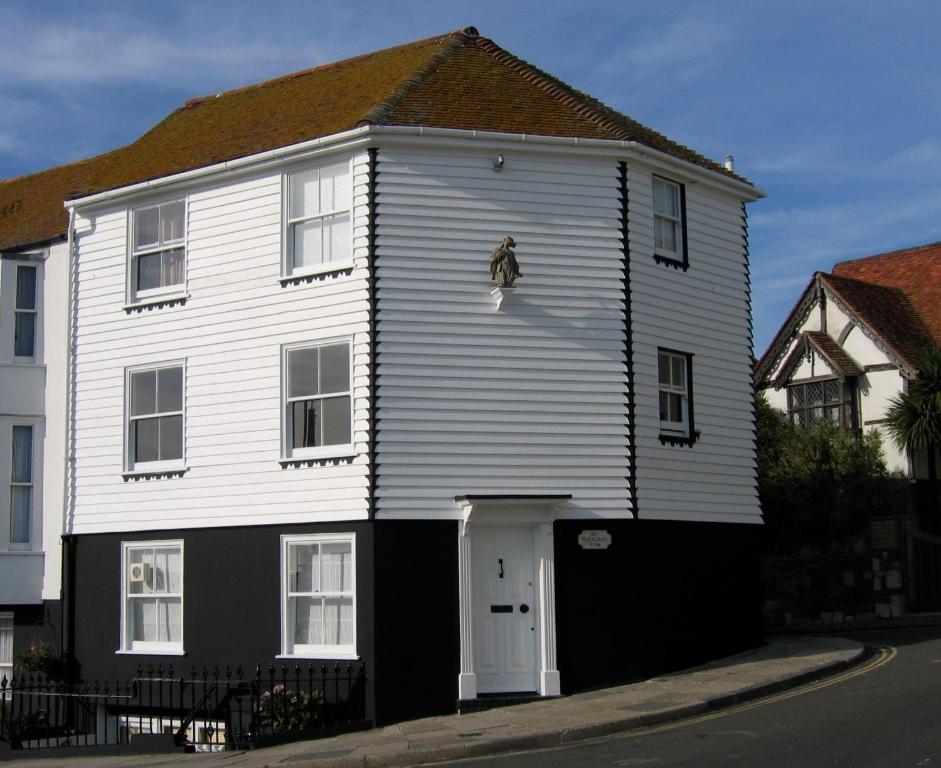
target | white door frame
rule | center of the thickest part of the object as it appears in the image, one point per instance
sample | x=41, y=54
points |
x=538, y=512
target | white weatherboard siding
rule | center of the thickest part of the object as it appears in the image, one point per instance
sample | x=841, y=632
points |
x=229, y=332
x=703, y=312
x=531, y=399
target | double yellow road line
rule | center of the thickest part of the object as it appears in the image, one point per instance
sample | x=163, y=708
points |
x=883, y=655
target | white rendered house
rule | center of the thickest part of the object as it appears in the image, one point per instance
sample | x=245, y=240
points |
x=853, y=341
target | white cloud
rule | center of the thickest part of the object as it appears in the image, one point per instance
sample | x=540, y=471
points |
x=57, y=56
x=675, y=53
x=788, y=245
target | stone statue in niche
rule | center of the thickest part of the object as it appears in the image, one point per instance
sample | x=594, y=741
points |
x=503, y=267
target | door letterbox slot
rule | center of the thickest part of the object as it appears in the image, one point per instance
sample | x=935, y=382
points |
x=501, y=609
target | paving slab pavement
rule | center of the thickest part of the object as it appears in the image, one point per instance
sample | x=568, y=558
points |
x=784, y=662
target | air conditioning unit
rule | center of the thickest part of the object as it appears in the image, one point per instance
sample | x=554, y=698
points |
x=138, y=572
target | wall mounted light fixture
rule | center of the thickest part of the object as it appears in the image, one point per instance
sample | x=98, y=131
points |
x=498, y=162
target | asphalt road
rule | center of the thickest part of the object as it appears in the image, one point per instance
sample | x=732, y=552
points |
x=885, y=714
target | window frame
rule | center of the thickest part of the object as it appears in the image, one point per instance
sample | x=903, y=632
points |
x=163, y=292
x=288, y=452
x=686, y=433
x=678, y=259
x=6, y=667
x=143, y=647
x=131, y=465
x=17, y=311
x=288, y=270
x=288, y=648
x=31, y=485
x=843, y=405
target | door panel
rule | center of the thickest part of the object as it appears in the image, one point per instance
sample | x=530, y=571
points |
x=504, y=640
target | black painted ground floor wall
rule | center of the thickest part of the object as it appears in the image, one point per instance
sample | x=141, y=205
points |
x=34, y=625
x=661, y=597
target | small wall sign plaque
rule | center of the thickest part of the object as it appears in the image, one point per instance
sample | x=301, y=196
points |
x=594, y=539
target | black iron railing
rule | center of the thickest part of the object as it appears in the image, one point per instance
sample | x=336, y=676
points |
x=201, y=710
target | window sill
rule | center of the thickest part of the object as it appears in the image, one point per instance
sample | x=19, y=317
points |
x=154, y=473
x=310, y=275
x=163, y=652
x=336, y=453
x=678, y=440
x=155, y=302
x=669, y=261
x=321, y=656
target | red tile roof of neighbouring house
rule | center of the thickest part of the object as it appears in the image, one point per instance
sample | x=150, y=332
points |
x=896, y=295
x=916, y=272
x=458, y=80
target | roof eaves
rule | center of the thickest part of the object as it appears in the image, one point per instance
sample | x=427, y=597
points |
x=822, y=342
x=618, y=124
x=788, y=330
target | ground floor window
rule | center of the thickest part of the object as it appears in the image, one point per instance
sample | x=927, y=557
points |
x=319, y=595
x=152, y=615
x=6, y=646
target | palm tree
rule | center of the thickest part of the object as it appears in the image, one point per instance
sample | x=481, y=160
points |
x=914, y=417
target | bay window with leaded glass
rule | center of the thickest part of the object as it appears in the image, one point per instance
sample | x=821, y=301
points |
x=811, y=402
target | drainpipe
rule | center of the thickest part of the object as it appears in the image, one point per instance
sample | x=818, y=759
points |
x=67, y=587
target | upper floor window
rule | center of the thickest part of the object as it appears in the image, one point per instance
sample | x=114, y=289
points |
x=24, y=323
x=318, y=211
x=814, y=401
x=674, y=371
x=158, y=250
x=21, y=486
x=152, y=586
x=669, y=222
x=317, y=399
x=155, y=418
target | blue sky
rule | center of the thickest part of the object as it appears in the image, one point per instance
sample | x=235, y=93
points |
x=832, y=107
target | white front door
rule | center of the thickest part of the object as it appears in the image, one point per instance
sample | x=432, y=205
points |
x=505, y=608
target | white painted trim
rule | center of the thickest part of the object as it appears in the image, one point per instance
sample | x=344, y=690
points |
x=288, y=270
x=161, y=294
x=539, y=513
x=367, y=136
x=316, y=652
x=354, y=138
x=333, y=451
x=132, y=468
x=151, y=649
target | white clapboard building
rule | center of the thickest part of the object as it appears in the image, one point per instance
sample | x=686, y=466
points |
x=33, y=297
x=306, y=423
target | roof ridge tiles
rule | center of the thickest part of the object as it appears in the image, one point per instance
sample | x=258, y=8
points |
x=623, y=127
x=378, y=114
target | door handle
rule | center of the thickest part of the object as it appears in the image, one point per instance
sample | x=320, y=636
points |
x=524, y=608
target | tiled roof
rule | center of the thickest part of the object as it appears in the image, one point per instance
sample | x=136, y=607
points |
x=459, y=80
x=916, y=272
x=842, y=363
x=887, y=312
